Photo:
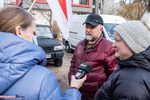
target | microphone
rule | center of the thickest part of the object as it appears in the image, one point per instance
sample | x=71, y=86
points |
x=84, y=68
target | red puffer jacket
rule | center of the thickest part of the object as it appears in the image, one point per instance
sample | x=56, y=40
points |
x=101, y=57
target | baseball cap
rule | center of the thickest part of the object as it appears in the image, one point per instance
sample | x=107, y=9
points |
x=94, y=19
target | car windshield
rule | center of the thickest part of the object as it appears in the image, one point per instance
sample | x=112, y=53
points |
x=44, y=32
x=109, y=28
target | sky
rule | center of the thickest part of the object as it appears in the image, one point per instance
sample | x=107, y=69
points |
x=127, y=1
x=1, y=3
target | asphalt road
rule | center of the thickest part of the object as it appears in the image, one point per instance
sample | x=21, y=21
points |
x=61, y=73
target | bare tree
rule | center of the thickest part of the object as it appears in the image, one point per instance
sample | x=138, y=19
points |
x=106, y=6
x=132, y=11
x=47, y=14
x=146, y=2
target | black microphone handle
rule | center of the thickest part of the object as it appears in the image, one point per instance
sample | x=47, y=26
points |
x=80, y=74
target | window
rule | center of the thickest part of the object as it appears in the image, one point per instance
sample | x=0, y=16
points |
x=44, y=32
x=109, y=28
x=81, y=3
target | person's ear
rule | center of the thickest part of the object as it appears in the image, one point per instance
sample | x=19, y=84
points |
x=18, y=31
x=101, y=29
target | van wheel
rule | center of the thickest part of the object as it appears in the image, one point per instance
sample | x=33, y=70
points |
x=67, y=48
x=58, y=62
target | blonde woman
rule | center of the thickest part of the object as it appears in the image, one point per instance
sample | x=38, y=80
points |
x=22, y=71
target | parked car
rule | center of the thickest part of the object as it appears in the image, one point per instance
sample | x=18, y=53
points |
x=46, y=40
x=77, y=32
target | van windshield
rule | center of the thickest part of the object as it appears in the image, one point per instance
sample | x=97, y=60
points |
x=44, y=32
x=109, y=28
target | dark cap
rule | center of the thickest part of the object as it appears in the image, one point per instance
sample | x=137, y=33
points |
x=94, y=19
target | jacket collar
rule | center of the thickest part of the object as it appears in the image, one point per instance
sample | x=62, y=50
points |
x=139, y=60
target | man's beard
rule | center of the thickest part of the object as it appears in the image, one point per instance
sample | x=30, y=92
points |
x=91, y=38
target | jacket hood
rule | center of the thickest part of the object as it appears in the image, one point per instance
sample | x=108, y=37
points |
x=17, y=57
x=139, y=60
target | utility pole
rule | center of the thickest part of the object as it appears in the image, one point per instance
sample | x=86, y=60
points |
x=101, y=6
x=148, y=7
x=97, y=6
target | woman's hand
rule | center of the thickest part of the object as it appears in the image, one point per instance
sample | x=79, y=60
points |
x=77, y=83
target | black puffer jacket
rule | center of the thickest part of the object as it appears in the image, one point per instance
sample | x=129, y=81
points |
x=131, y=80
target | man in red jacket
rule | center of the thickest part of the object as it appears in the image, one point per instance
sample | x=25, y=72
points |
x=96, y=51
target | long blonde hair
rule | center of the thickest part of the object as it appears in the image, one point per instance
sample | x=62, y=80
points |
x=12, y=16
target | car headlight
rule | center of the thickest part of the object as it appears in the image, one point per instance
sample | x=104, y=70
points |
x=57, y=48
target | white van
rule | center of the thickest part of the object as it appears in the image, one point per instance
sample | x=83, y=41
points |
x=77, y=32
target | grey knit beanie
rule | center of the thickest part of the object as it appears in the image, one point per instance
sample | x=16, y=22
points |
x=136, y=34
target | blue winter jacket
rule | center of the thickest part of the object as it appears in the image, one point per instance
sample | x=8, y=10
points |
x=23, y=75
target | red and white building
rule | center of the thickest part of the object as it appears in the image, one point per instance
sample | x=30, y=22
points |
x=41, y=8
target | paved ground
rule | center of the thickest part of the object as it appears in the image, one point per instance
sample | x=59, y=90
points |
x=61, y=73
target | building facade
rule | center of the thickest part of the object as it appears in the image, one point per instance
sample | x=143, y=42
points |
x=43, y=15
